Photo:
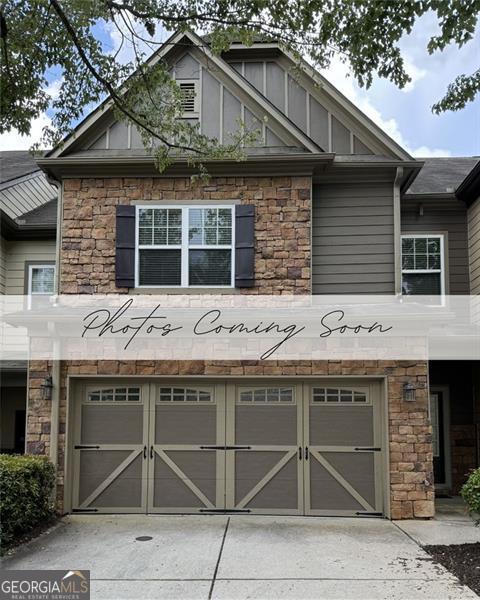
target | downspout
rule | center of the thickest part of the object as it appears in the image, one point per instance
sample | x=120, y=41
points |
x=397, y=231
x=56, y=382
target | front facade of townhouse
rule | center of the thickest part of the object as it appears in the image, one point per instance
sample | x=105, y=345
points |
x=320, y=207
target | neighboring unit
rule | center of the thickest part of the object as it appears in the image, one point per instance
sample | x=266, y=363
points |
x=28, y=222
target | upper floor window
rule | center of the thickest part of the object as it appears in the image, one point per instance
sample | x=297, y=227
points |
x=41, y=279
x=185, y=246
x=423, y=270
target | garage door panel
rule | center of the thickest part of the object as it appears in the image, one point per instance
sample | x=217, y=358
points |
x=356, y=468
x=327, y=494
x=280, y=492
x=171, y=490
x=250, y=468
x=341, y=426
x=110, y=479
x=125, y=491
x=264, y=431
x=183, y=475
x=200, y=467
x=253, y=425
x=112, y=424
x=185, y=424
x=96, y=466
x=342, y=430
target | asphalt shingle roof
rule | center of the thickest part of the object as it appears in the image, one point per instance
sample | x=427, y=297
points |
x=42, y=216
x=16, y=163
x=442, y=175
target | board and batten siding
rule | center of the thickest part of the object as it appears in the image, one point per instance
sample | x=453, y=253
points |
x=448, y=217
x=474, y=246
x=17, y=253
x=353, y=238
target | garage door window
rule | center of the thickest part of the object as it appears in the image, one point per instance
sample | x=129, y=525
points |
x=120, y=394
x=338, y=396
x=177, y=394
x=270, y=395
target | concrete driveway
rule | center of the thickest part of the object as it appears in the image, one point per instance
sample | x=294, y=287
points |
x=235, y=557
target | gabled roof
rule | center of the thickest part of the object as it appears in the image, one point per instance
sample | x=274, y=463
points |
x=169, y=47
x=330, y=90
x=441, y=176
x=99, y=117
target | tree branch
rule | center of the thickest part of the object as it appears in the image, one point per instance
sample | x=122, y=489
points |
x=106, y=84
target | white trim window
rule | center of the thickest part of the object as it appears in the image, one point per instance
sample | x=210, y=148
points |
x=185, y=246
x=41, y=279
x=423, y=264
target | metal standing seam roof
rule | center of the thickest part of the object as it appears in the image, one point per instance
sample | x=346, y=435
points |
x=24, y=194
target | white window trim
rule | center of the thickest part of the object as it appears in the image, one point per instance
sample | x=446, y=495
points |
x=441, y=236
x=184, y=247
x=40, y=266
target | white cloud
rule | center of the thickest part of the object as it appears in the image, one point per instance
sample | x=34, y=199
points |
x=53, y=89
x=338, y=75
x=12, y=140
x=426, y=152
x=416, y=74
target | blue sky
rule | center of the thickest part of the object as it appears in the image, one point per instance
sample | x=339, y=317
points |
x=404, y=114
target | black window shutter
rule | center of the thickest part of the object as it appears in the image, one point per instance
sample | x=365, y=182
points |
x=244, y=245
x=125, y=246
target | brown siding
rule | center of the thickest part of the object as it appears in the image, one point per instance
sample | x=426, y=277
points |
x=353, y=243
x=474, y=246
x=443, y=216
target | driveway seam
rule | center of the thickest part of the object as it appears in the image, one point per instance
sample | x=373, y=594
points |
x=218, y=560
x=281, y=579
x=408, y=535
x=427, y=579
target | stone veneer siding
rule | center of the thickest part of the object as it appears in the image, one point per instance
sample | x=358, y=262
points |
x=283, y=219
x=282, y=231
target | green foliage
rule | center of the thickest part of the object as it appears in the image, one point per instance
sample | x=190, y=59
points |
x=26, y=484
x=41, y=38
x=470, y=492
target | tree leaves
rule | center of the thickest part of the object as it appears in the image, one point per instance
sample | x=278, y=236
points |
x=39, y=37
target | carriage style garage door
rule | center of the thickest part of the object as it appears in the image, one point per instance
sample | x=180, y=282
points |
x=260, y=446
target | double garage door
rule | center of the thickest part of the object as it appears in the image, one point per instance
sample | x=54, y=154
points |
x=271, y=447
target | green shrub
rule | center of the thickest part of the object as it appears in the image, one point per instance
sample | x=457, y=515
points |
x=26, y=484
x=471, y=494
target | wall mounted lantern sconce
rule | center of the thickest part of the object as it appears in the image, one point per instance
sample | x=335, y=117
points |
x=409, y=392
x=47, y=387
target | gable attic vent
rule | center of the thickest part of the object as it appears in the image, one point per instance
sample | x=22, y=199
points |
x=188, y=90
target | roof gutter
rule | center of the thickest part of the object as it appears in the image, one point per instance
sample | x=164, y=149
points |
x=144, y=166
x=469, y=189
x=10, y=229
